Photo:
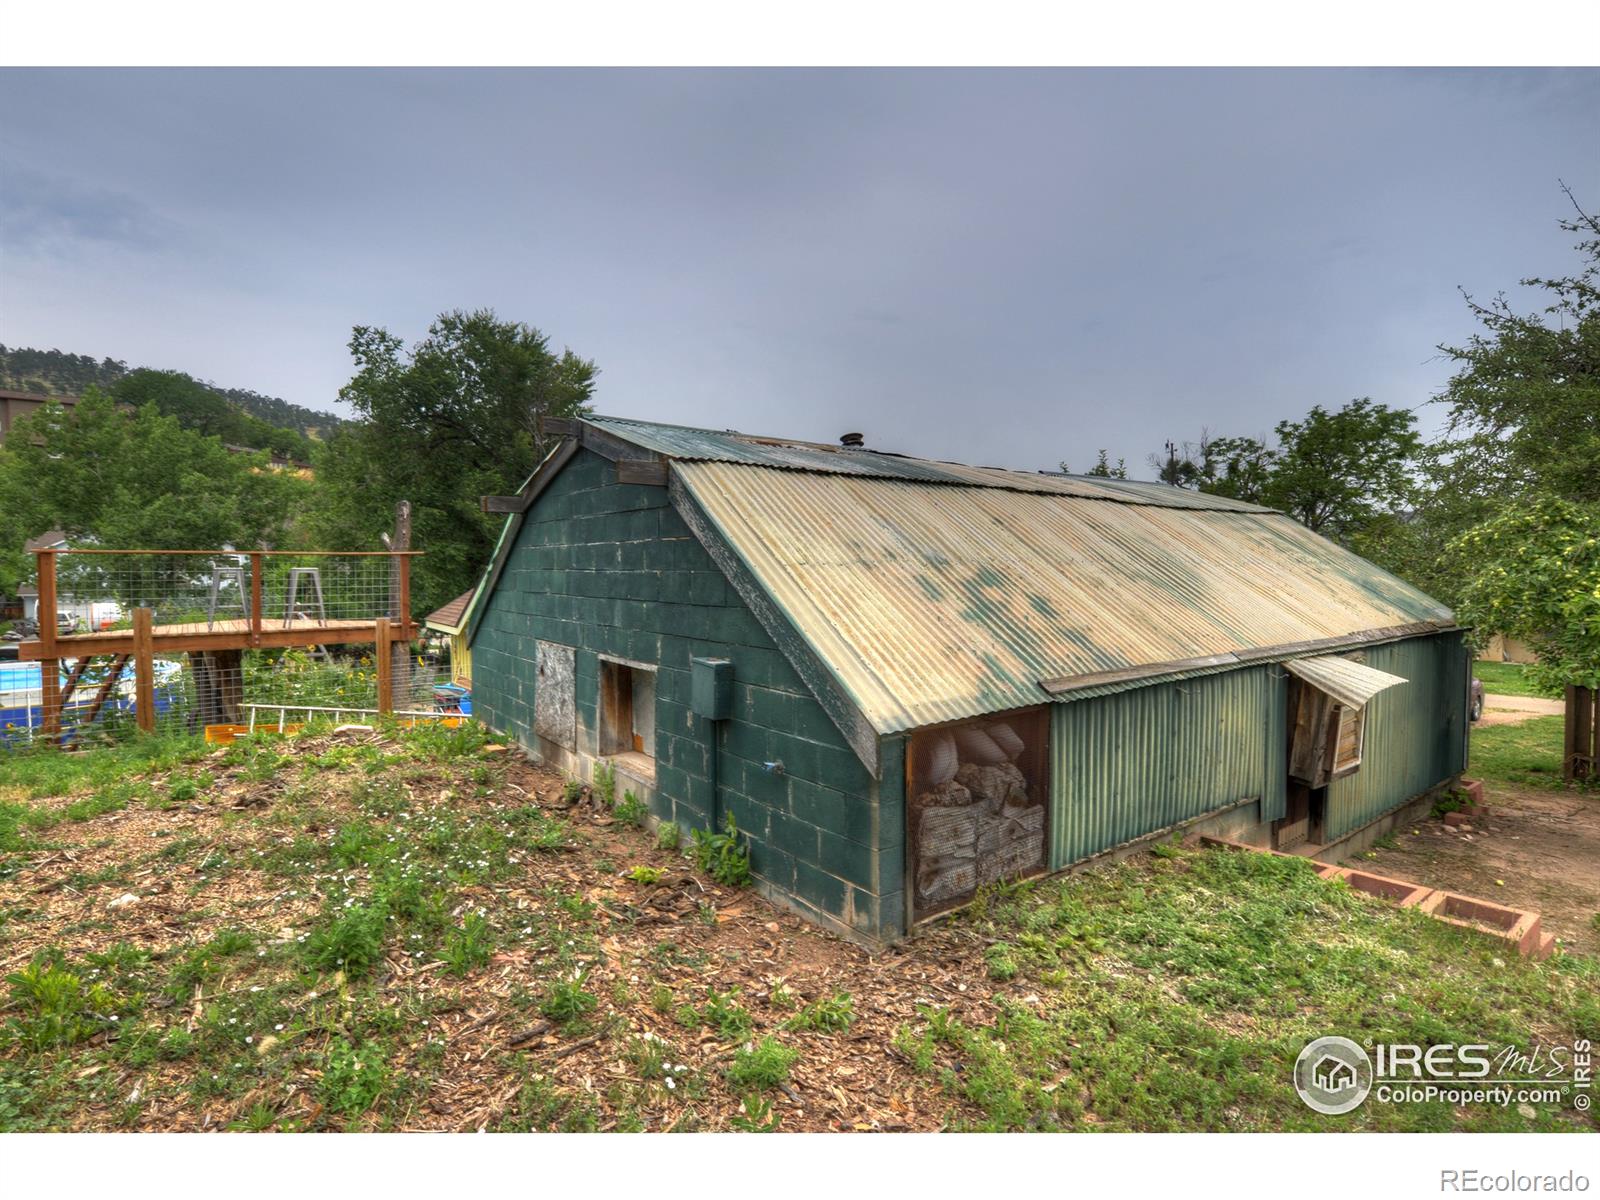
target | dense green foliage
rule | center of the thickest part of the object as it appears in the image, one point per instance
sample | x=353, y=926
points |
x=452, y=419
x=1537, y=576
x=207, y=411
x=56, y=373
x=1338, y=473
x=103, y=476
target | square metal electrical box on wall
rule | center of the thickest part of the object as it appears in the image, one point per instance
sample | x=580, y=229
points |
x=711, y=688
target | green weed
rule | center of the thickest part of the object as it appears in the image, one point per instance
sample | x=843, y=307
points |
x=566, y=1000
x=56, y=1006
x=723, y=856
x=761, y=1065
x=353, y=1076
x=350, y=939
x=632, y=810
x=831, y=1014
x=469, y=947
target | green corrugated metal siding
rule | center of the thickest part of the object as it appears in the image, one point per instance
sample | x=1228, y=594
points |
x=1415, y=733
x=1131, y=763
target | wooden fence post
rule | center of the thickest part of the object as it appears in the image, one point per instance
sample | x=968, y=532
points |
x=256, y=561
x=381, y=656
x=144, y=670
x=1580, y=748
x=400, y=596
x=49, y=666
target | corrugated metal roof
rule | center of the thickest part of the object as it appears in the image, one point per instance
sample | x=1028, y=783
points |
x=932, y=603
x=1346, y=681
x=705, y=445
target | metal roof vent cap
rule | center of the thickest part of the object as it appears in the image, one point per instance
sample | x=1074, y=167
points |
x=852, y=441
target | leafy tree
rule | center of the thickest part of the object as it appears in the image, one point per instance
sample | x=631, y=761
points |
x=1536, y=576
x=136, y=480
x=1338, y=472
x=1525, y=401
x=1508, y=531
x=453, y=419
x=1240, y=468
x=1102, y=468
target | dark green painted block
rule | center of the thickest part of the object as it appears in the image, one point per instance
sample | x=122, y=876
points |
x=747, y=741
x=772, y=864
x=750, y=816
x=820, y=888
x=793, y=835
x=819, y=805
x=845, y=858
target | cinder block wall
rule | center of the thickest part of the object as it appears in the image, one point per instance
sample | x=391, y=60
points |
x=611, y=569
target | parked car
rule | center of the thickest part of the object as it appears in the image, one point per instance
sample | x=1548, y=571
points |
x=1475, y=700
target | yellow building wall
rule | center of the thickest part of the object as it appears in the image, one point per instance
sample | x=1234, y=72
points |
x=460, y=658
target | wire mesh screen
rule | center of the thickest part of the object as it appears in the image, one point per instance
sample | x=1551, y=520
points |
x=98, y=592
x=977, y=805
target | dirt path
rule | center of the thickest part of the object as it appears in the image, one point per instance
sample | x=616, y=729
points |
x=1536, y=850
x=1513, y=710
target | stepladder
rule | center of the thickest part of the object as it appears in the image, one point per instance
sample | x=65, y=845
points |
x=219, y=577
x=313, y=578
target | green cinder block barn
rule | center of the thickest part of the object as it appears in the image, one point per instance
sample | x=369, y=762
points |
x=908, y=679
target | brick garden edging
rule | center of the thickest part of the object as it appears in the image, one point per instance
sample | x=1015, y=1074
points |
x=1520, y=929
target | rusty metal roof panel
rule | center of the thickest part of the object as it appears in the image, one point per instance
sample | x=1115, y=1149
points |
x=933, y=602
x=730, y=446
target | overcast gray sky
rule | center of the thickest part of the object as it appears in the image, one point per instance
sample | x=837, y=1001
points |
x=998, y=267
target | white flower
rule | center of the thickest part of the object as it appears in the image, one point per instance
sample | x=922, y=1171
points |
x=671, y=1083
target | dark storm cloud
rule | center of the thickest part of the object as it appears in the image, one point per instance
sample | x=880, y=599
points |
x=41, y=214
x=1007, y=267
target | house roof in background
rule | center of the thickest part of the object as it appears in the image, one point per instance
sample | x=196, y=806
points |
x=448, y=618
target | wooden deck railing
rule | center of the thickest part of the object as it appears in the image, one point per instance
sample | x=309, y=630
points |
x=391, y=625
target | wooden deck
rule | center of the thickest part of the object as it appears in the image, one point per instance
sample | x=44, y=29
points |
x=231, y=634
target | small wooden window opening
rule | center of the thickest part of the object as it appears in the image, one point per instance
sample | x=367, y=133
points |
x=627, y=710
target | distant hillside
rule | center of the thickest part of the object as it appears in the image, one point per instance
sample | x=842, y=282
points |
x=57, y=373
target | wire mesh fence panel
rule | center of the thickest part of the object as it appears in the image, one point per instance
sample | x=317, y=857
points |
x=179, y=641
x=98, y=592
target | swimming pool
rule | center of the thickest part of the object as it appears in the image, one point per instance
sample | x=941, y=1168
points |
x=21, y=696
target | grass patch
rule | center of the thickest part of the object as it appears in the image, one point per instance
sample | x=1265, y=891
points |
x=40, y=770
x=831, y=1014
x=1175, y=993
x=1509, y=679
x=567, y=1001
x=1527, y=754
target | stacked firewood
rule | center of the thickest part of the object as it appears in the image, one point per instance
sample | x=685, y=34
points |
x=975, y=821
